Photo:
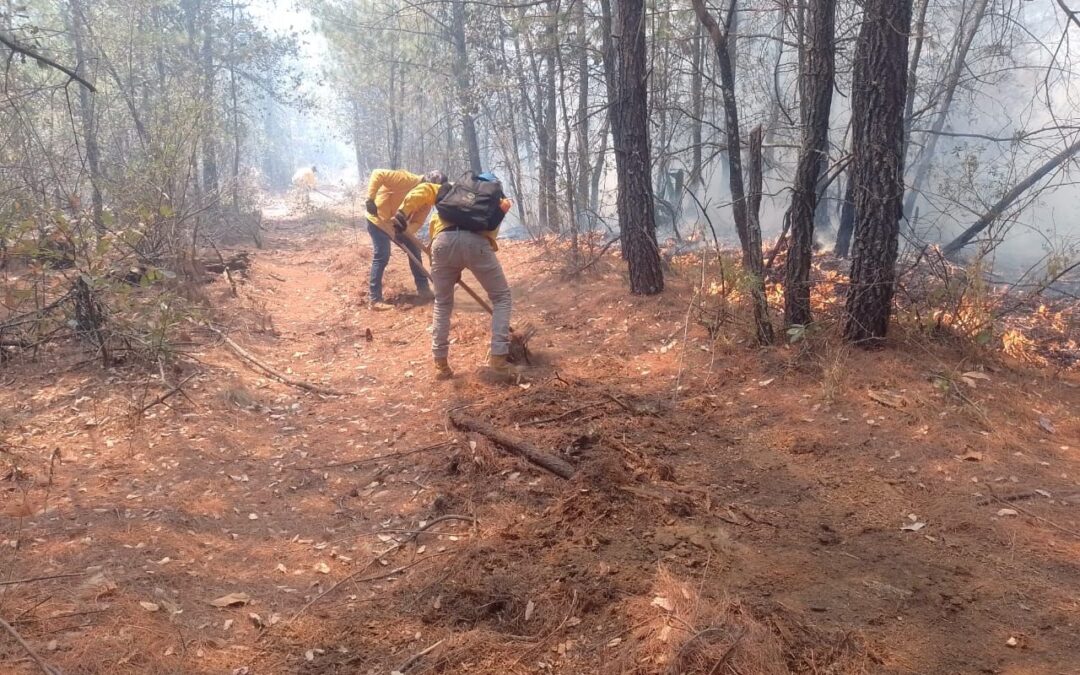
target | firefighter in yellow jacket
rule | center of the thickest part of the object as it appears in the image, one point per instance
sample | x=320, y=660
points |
x=387, y=189
x=455, y=248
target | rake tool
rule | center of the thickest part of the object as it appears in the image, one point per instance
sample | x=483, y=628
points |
x=519, y=339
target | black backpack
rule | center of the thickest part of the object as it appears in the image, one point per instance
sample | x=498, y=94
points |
x=471, y=204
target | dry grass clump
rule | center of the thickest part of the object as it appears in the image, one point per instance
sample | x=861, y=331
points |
x=681, y=632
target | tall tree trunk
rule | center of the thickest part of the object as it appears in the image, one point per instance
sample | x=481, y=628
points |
x=463, y=81
x=697, y=105
x=607, y=52
x=919, y=31
x=235, y=117
x=549, y=165
x=995, y=211
x=88, y=115
x=847, y=219
x=211, y=182
x=817, y=87
x=878, y=95
x=630, y=127
x=748, y=238
x=583, y=217
x=949, y=87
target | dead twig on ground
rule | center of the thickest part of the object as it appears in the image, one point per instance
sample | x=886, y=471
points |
x=45, y=668
x=292, y=382
x=391, y=455
x=518, y=446
x=411, y=661
x=33, y=579
x=556, y=418
x=1036, y=516
x=384, y=554
x=167, y=395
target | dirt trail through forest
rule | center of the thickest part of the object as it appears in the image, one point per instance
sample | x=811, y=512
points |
x=733, y=511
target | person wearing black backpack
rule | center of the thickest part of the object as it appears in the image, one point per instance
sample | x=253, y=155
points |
x=464, y=231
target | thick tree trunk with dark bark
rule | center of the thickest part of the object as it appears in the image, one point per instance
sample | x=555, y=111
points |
x=630, y=129
x=817, y=86
x=878, y=95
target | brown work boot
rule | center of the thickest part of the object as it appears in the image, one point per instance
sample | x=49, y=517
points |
x=499, y=369
x=380, y=306
x=442, y=369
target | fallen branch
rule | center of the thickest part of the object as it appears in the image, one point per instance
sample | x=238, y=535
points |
x=1036, y=516
x=411, y=661
x=33, y=579
x=45, y=668
x=379, y=557
x=299, y=384
x=556, y=418
x=391, y=455
x=520, y=447
x=169, y=394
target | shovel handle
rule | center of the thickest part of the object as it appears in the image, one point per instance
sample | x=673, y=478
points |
x=394, y=236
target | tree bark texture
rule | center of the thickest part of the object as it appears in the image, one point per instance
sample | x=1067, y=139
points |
x=461, y=77
x=818, y=75
x=878, y=95
x=847, y=219
x=88, y=115
x=748, y=238
x=630, y=128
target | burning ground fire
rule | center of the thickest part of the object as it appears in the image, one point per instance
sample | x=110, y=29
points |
x=937, y=300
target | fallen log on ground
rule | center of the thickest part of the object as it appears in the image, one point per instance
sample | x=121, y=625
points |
x=293, y=382
x=239, y=261
x=518, y=446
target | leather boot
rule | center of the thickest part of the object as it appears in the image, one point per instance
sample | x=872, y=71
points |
x=442, y=369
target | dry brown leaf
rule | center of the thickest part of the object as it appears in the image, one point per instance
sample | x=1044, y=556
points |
x=887, y=398
x=231, y=600
x=148, y=606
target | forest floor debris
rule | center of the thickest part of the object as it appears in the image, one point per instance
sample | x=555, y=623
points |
x=711, y=523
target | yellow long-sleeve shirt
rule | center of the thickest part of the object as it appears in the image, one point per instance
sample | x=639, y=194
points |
x=422, y=198
x=389, y=187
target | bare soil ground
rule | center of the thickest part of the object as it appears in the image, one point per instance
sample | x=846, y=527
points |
x=733, y=510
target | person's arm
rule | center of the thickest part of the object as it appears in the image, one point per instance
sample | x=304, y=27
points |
x=417, y=203
x=376, y=182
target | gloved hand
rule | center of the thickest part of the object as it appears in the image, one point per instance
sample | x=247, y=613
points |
x=372, y=209
x=401, y=222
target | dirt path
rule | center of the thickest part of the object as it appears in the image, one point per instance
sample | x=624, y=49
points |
x=733, y=511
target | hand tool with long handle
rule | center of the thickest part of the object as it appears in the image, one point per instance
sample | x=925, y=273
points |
x=412, y=238
x=519, y=340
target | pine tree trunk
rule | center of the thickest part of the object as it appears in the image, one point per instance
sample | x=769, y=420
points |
x=88, y=115
x=461, y=77
x=749, y=238
x=817, y=87
x=211, y=181
x=847, y=219
x=630, y=127
x=878, y=95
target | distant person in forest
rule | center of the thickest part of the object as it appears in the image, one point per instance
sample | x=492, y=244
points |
x=464, y=230
x=387, y=189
